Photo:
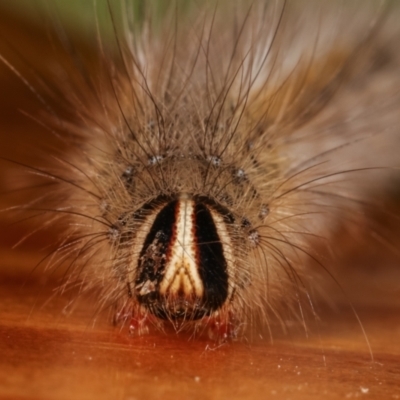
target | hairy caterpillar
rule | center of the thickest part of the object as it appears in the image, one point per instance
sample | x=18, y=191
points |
x=203, y=160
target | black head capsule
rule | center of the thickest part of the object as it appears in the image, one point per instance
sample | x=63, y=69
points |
x=183, y=266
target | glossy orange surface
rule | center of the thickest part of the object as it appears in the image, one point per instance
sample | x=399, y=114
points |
x=49, y=355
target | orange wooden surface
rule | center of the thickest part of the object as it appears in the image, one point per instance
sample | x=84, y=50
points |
x=47, y=355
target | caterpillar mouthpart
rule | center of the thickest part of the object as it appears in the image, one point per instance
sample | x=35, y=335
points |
x=182, y=269
x=186, y=251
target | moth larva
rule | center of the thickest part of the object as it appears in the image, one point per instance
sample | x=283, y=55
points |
x=212, y=150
